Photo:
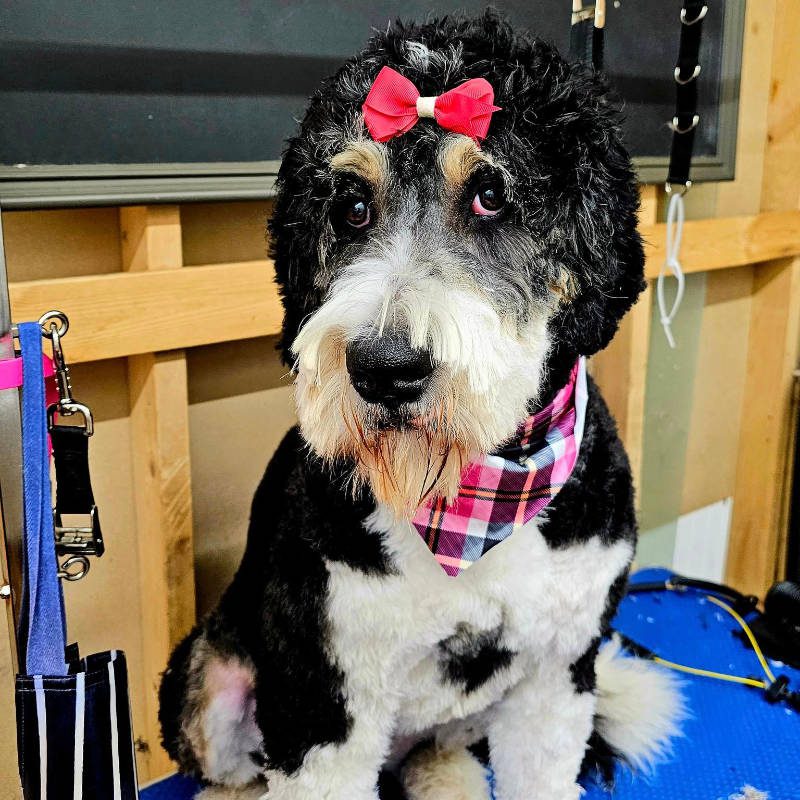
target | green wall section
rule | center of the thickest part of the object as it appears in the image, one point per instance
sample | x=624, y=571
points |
x=668, y=409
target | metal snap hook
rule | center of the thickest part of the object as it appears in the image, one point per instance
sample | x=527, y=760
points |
x=683, y=82
x=51, y=317
x=69, y=574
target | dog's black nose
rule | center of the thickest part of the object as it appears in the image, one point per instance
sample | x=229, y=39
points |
x=387, y=369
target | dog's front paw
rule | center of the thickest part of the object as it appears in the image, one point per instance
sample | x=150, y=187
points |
x=445, y=774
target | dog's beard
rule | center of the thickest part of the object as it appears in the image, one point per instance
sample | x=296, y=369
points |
x=419, y=454
x=405, y=457
x=488, y=367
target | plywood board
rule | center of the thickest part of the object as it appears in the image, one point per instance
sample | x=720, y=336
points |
x=716, y=409
x=57, y=243
x=219, y=232
x=142, y=312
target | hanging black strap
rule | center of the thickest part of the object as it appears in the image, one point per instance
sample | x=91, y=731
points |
x=74, y=494
x=686, y=119
x=586, y=40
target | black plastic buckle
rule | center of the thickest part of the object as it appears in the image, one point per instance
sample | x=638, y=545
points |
x=778, y=690
x=85, y=540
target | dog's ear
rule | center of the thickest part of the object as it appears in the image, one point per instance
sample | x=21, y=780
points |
x=584, y=191
x=298, y=230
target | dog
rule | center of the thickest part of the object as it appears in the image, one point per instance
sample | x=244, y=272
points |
x=440, y=288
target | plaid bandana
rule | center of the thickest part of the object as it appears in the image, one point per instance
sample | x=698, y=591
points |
x=503, y=491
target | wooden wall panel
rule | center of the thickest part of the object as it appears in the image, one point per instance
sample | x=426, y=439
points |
x=221, y=232
x=162, y=309
x=717, y=392
x=9, y=777
x=151, y=242
x=52, y=244
x=758, y=523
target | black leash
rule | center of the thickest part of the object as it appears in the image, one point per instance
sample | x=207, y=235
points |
x=587, y=34
x=80, y=535
x=686, y=119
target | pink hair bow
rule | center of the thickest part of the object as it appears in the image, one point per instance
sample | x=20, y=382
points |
x=394, y=105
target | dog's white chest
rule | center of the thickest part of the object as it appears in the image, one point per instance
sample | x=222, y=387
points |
x=401, y=635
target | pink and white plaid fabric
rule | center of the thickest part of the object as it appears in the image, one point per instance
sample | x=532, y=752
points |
x=503, y=491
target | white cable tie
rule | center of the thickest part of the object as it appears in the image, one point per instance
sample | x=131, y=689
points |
x=675, y=218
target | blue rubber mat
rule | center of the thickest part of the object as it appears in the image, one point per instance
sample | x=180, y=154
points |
x=733, y=739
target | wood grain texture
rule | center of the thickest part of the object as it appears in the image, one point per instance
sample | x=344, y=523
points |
x=140, y=312
x=711, y=244
x=9, y=775
x=157, y=384
x=720, y=372
x=758, y=522
x=165, y=309
x=151, y=238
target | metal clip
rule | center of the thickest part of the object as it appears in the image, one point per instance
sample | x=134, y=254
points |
x=675, y=123
x=687, y=22
x=683, y=82
x=85, y=540
x=69, y=574
x=54, y=325
x=669, y=188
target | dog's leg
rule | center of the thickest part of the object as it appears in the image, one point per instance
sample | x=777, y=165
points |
x=208, y=716
x=348, y=770
x=538, y=734
x=436, y=773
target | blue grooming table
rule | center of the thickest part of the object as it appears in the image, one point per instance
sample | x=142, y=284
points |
x=733, y=738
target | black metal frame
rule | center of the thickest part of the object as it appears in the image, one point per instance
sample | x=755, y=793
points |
x=11, y=515
x=108, y=184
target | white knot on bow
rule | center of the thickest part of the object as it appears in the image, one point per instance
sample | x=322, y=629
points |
x=425, y=107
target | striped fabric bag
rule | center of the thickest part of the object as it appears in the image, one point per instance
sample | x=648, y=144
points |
x=74, y=736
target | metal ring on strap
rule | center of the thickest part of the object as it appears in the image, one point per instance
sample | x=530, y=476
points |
x=684, y=21
x=685, y=188
x=675, y=124
x=68, y=572
x=52, y=317
x=683, y=82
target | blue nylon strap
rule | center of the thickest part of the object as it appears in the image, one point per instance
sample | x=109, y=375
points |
x=45, y=636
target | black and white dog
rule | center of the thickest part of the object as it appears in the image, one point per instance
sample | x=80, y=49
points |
x=438, y=290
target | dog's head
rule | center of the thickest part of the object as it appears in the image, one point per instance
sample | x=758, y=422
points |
x=436, y=290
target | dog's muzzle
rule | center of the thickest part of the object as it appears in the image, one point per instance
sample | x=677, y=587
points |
x=387, y=370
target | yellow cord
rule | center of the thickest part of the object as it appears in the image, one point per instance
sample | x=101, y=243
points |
x=746, y=628
x=707, y=673
x=722, y=676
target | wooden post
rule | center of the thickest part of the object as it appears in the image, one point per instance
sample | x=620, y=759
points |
x=759, y=519
x=151, y=240
x=621, y=369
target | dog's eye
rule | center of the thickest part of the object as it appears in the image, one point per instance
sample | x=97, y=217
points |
x=357, y=213
x=489, y=199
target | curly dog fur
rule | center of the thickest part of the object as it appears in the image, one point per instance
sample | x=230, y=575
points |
x=342, y=657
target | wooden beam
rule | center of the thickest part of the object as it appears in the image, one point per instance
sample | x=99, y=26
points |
x=759, y=519
x=621, y=369
x=157, y=383
x=128, y=313
x=710, y=244
x=123, y=314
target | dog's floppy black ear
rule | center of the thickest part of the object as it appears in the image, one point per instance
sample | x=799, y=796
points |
x=297, y=230
x=585, y=189
x=602, y=251
x=598, y=215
